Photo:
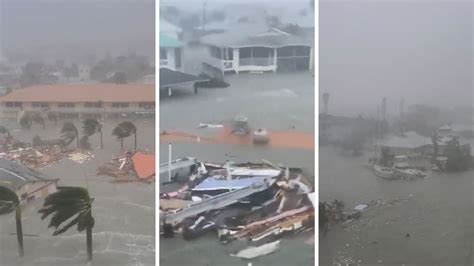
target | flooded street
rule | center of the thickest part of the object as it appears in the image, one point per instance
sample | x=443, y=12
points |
x=433, y=225
x=124, y=231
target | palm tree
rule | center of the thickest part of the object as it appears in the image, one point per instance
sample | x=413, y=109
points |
x=53, y=117
x=38, y=119
x=66, y=203
x=92, y=126
x=124, y=130
x=9, y=201
x=70, y=133
x=4, y=130
x=25, y=120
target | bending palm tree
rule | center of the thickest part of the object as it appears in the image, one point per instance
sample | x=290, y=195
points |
x=124, y=130
x=70, y=133
x=38, y=119
x=66, y=203
x=25, y=120
x=4, y=130
x=92, y=126
x=9, y=201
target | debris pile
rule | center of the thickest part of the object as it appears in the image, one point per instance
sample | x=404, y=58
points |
x=131, y=166
x=37, y=158
x=258, y=202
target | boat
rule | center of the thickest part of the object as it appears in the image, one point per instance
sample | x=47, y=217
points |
x=383, y=172
x=408, y=173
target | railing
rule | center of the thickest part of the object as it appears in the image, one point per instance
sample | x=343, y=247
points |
x=227, y=64
x=256, y=61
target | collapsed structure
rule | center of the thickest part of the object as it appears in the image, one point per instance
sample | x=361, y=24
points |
x=260, y=202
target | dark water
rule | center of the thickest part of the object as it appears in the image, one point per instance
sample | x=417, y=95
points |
x=124, y=233
x=438, y=216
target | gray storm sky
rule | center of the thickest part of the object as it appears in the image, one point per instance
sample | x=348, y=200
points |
x=420, y=50
x=79, y=23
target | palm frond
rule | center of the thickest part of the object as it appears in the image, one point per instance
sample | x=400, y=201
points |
x=90, y=127
x=69, y=127
x=63, y=205
x=8, y=200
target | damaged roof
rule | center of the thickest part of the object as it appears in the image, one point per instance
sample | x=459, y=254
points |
x=221, y=183
x=144, y=164
x=170, y=78
x=411, y=140
x=14, y=175
x=83, y=93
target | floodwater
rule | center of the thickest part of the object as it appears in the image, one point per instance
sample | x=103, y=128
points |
x=124, y=232
x=268, y=100
x=433, y=226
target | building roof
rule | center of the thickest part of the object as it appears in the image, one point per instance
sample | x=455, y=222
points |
x=255, y=35
x=166, y=26
x=144, y=164
x=14, y=175
x=102, y=92
x=411, y=141
x=168, y=41
x=170, y=78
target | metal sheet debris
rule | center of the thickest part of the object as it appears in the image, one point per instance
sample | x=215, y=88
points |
x=254, y=252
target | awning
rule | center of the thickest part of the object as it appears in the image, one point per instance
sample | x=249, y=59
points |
x=170, y=78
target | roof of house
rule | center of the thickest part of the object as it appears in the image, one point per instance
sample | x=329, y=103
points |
x=170, y=77
x=103, y=92
x=166, y=26
x=168, y=41
x=144, y=164
x=255, y=35
x=411, y=141
x=14, y=175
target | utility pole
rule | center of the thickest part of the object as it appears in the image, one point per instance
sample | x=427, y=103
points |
x=204, y=15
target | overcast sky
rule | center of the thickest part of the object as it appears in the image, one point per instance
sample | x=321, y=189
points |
x=105, y=23
x=419, y=50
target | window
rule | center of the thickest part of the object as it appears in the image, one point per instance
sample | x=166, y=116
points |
x=163, y=54
x=285, y=51
x=146, y=105
x=120, y=105
x=245, y=52
x=93, y=105
x=260, y=52
x=302, y=51
x=215, y=52
x=40, y=105
x=229, y=54
x=177, y=57
x=66, y=105
x=13, y=104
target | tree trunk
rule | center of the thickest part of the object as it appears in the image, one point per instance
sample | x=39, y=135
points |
x=121, y=143
x=101, y=141
x=77, y=140
x=135, y=140
x=89, y=235
x=19, y=230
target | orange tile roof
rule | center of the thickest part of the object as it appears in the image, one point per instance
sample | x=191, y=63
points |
x=144, y=164
x=83, y=93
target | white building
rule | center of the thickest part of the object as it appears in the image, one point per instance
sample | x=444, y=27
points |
x=170, y=29
x=256, y=48
x=170, y=52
